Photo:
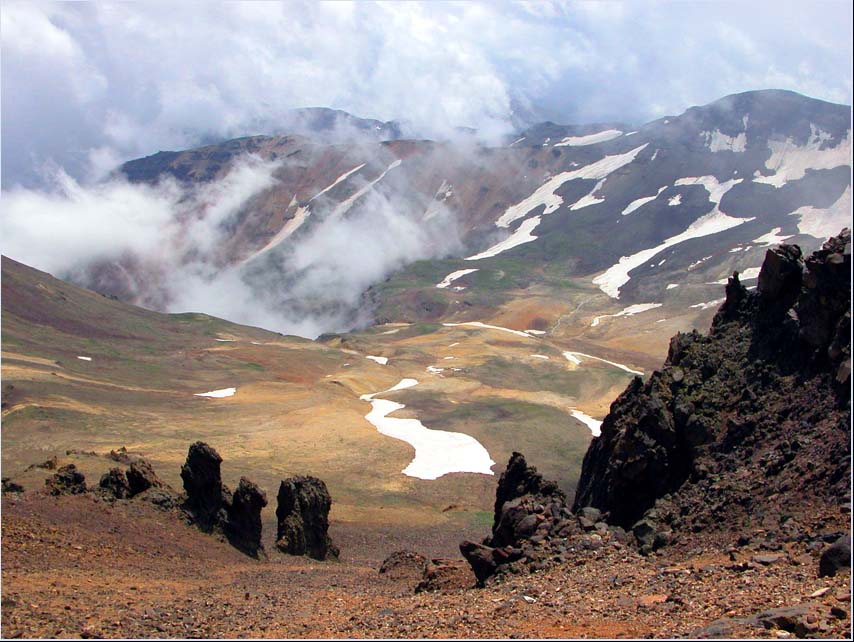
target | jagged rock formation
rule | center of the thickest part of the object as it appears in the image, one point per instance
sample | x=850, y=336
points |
x=749, y=424
x=207, y=498
x=532, y=526
x=66, y=481
x=214, y=508
x=303, y=518
x=243, y=528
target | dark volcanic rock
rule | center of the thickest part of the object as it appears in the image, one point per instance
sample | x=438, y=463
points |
x=303, y=518
x=481, y=559
x=11, y=487
x=66, y=481
x=836, y=557
x=243, y=528
x=206, y=497
x=518, y=480
x=753, y=418
x=141, y=477
x=115, y=483
x=530, y=514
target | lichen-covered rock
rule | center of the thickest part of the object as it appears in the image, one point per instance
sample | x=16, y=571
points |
x=243, y=528
x=141, y=477
x=66, y=481
x=302, y=512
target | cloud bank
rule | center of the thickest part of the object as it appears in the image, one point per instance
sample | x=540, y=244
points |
x=163, y=247
x=89, y=84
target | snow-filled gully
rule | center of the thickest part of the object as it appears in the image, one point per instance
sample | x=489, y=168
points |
x=437, y=452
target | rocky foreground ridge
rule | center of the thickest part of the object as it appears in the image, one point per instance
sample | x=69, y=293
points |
x=742, y=439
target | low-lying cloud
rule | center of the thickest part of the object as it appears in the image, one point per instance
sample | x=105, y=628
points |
x=164, y=246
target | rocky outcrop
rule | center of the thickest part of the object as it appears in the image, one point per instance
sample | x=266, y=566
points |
x=243, y=527
x=751, y=419
x=114, y=483
x=532, y=526
x=66, y=481
x=11, y=487
x=141, y=477
x=207, y=498
x=303, y=518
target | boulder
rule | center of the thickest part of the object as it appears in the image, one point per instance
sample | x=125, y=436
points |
x=115, y=483
x=66, y=481
x=836, y=557
x=481, y=560
x=243, y=527
x=141, y=477
x=303, y=518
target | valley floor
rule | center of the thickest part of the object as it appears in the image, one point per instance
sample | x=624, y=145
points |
x=78, y=566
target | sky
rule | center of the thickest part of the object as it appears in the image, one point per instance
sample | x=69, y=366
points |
x=86, y=86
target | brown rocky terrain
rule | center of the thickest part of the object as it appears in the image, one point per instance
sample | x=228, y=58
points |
x=714, y=504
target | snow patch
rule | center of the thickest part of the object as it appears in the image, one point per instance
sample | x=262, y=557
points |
x=225, y=392
x=637, y=308
x=536, y=332
x=635, y=204
x=435, y=370
x=575, y=358
x=84, y=358
x=673, y=201
x=772, y=238
x=539, y=356
x=595, y=425
x=717, y=141
x=437, y=452
x=823, y=223
x=453, y=276
x=340, y=179
x=519, y=237
x=715, y=221
x=590, y=139
x=789, y=161
x=670, y=286
x=545, y=194
x=344, y=206
x=518, y=140
x=745, y=275
x=708, y=304
x=383, y=361
x=478, y=324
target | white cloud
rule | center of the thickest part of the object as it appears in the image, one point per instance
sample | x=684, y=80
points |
x=138, y=77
